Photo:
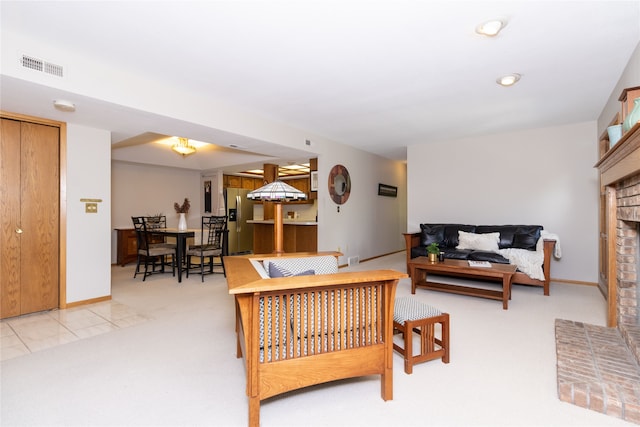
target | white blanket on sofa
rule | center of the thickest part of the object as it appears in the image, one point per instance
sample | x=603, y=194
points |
x=530, y=262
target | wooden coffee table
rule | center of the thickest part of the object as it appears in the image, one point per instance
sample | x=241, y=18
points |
x=421, y=266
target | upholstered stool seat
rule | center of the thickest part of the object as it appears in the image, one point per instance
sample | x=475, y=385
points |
x=411, y=315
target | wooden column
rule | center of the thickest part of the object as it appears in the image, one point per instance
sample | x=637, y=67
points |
x=270, y=175
x=278, y=230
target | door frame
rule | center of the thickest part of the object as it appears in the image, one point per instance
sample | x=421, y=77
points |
x=62, y=226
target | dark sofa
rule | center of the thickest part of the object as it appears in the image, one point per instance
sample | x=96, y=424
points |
x=510, y=236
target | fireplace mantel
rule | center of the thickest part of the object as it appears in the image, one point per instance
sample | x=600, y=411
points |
x=623, y=160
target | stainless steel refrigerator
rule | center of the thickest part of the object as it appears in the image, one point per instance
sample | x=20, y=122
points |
x=239, y=210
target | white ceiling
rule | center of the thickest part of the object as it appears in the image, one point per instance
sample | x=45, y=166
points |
x=377, y=75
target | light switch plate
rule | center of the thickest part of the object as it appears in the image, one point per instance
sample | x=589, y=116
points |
x=91, y=208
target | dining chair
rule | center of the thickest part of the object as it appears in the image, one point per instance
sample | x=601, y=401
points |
x=151, y=253
x=155, y=221
x=157, y=241
x=158, y=221
x=212, y=233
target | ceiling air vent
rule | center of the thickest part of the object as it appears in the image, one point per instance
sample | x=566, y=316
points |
x=38, y=64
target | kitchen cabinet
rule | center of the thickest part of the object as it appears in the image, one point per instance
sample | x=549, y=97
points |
x=302, y=184
x=232, y=181
x=298, y=236
x=248, y=183
x=251, y=183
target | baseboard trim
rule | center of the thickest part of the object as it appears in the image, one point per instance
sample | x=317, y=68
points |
x=85, y=302
x=574, y=282
x=373, y=257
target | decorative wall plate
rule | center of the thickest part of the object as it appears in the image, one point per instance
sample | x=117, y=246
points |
x=339, y=184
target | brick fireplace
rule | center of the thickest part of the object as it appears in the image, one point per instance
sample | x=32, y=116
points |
x=628, y=253
x=598, y=367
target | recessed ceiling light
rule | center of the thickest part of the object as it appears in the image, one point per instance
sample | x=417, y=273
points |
x=491, y=28
x=63, y=105
x=509, y=79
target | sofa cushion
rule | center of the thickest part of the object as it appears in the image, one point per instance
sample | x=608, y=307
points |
x=487, y=256
x=451, y=233
x=431, y=233
x=478, y=242
x=526, y=237
x=506, y=233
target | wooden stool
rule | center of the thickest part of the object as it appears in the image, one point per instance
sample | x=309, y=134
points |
x=410, y=315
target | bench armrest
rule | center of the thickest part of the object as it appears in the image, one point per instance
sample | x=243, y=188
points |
x=411, y=241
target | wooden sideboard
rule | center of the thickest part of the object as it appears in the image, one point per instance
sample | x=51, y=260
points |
x=127, y=246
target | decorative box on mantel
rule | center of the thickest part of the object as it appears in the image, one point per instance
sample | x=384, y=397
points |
x=627, y=98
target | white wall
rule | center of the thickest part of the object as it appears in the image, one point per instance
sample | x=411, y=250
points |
x=367, y=225
x=541, y=176
x=630, y=77
x=88, y=236
x=141, y=190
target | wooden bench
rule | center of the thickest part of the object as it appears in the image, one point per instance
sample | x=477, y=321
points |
x=411, y=315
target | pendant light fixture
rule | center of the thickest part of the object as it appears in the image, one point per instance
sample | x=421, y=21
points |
x=183, y=147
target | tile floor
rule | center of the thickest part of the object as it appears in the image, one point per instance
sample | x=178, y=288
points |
x=34, y=332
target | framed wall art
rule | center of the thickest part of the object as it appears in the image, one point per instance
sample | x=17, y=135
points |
x=387, y=190
x=339, y=184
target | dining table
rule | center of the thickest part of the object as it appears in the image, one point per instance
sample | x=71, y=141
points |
x=181, y=237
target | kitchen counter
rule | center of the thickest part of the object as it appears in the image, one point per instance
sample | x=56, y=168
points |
x=298, y=235
x=284, y=221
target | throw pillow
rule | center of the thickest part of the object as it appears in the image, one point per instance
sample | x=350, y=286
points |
x=525, y=241
x=306, y=273
x=275, y=271
x=431, y=233
x=478, y=242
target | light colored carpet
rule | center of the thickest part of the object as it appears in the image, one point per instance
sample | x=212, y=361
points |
x=179, y=368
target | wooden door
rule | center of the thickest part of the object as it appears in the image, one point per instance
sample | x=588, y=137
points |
x=9, y=218
x=29, y=238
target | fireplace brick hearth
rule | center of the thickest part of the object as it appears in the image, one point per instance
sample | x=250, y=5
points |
x=597, y=368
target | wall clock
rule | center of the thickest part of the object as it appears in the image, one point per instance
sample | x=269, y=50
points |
x=339, y=184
